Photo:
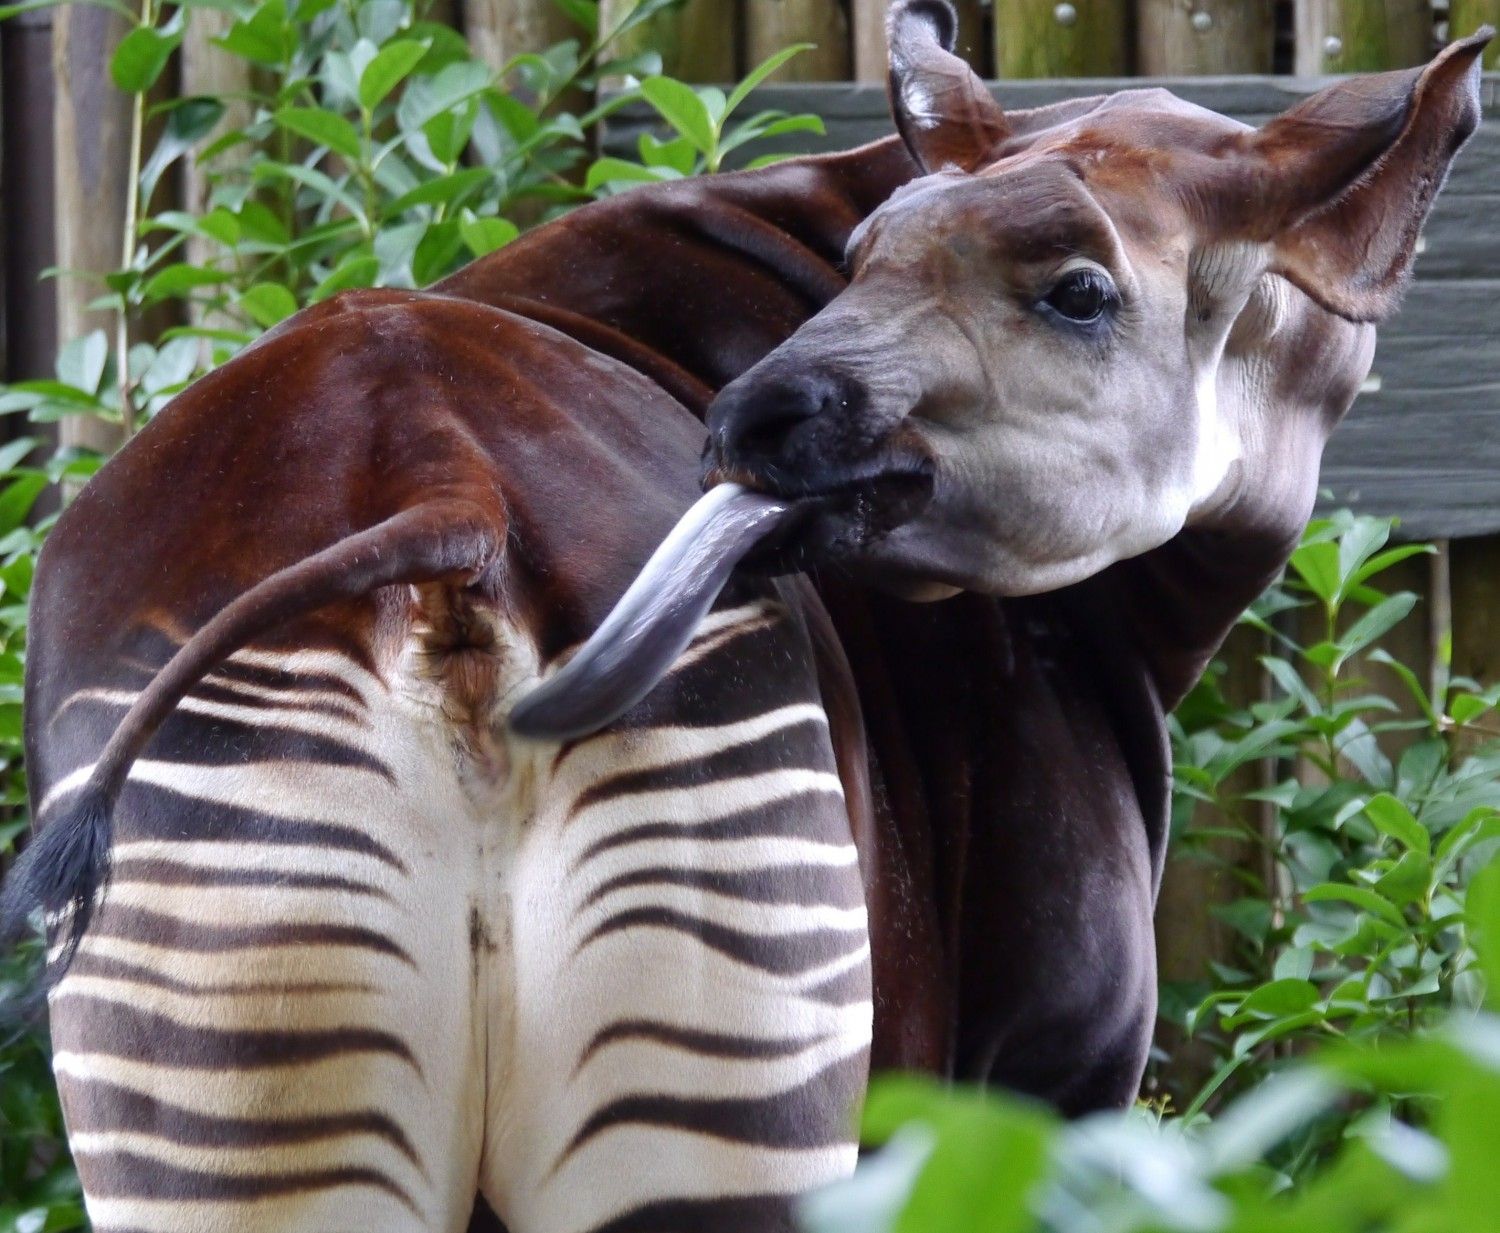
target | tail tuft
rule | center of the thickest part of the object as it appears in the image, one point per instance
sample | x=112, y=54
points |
x=61, y=872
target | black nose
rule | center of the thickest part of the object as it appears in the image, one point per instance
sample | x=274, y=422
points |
x=762, y=416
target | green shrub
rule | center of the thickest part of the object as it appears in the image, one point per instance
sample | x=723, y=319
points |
x=1380, y=804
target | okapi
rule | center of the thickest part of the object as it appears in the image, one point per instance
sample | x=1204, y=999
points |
x=334, y=946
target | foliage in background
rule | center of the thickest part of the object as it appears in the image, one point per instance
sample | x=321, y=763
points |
x=380, y=151
x=1371, y=798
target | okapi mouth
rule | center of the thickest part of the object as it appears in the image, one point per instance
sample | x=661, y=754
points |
x=730, y=526
x=837, y=512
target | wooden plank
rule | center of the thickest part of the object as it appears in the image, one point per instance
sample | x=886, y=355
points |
x=1205, y=36
x=208, y=69
x=771, y=25
x=698, y=41
x=1475, y=588
x=501, y=29
x=1073, y=38
x=91, y=127
x=1437, y=366
x=1361, y=36
x=1466, y=16
x=25, y=43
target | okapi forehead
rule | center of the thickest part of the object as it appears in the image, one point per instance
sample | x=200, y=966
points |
x=1136, y=152
x=1032, y=207
x=1146, y=119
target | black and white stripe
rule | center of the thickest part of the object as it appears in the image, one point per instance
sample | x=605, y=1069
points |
x=340, y=980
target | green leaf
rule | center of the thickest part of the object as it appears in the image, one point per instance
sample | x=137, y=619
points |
x=178, y=280
x=268, y=303
x=17, y=498
x=681, y=107
x=259, y=223
x=428, y=97
x=1464, y=708
x=1384, y=560
x=1251, y=917
x=1376, y=622
x=140, y=58
x=678, y=154
x=387, y=70
x=261, y=37
x=437, y=252
x=81, y=363
x=188, y=121
x=448, y=132
x=1356, y=896
x=170, y=368
x=1478, y=826
x=448, y=189
x=353, y=271
x=485, y=235
x=1317, y=564
x=1409, y=679
x=325, y=128
x=769, y=160
x=617, y=171
x=768, y=124
x=313, y=179
x=986, y=1159
x=1356, y=545
x=1393, y=818
x=1407, y=880
x=1290, y=996
x=1286, y=675
x=1419, y=768
x=582, y=13
x=12, y=452
x=761, y=71
x=1256, y=1123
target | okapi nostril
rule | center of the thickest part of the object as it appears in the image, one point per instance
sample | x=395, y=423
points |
x=765, y=433
x=757, y=419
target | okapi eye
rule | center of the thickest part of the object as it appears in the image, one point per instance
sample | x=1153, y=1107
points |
x=1081, y=295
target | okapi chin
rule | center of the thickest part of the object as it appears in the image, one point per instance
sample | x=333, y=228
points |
x=334, y=946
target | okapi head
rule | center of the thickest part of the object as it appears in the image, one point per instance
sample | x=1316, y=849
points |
x=1077, y=334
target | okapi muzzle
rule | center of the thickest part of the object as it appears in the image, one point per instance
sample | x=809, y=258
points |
x=1063, y=345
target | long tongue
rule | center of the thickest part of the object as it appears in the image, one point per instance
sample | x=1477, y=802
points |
x=655, y=618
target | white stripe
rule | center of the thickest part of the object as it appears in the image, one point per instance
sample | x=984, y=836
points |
x=274, y=858
x=729, y=796
x=763, y=919
x=754, y=612
x=260, y=717
x=617, y=753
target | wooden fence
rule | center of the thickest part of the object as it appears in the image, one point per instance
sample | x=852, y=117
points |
x=62, y=169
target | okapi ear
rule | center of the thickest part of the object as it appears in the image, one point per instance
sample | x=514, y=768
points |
x=1346, y=178
x=942, y=110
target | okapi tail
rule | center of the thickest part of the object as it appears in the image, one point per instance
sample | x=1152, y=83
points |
x=65, y=867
